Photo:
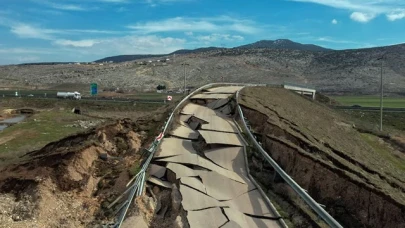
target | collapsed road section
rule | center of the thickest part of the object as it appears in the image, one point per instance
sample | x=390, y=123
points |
x=199, y=173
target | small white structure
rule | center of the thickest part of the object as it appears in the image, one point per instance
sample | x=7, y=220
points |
x=301, y=90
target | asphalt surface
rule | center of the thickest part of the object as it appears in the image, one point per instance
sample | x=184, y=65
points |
x=125, y=100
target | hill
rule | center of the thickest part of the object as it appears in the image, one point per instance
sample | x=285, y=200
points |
x=332, y=72
x=284, y=44
x=270, y=44
x=126, y=58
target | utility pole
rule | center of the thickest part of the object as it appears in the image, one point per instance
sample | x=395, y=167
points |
x=185, y=64
x=382, y=93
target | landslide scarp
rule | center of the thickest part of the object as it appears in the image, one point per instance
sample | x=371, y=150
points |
x=360, y=184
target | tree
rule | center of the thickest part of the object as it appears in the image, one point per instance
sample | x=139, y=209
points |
x=161, y=87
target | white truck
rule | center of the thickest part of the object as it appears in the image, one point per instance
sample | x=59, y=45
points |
x=69, y=95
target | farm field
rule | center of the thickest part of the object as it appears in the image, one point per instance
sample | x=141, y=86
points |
x=371, y=101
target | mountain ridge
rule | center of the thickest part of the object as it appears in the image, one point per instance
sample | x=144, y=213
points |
x=270, y=44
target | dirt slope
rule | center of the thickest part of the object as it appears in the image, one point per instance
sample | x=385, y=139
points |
x=362, y=183
x=65, y=183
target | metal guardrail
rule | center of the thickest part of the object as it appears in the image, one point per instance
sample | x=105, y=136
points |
x=300, y=191
x=274, y=210
x=300, y=85
x=136, y=189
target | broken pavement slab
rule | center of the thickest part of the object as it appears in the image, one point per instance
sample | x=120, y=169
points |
x=194, y=159
x=181, y=170
x=185, y=132
x=159, y=182
x=194, y=182
x=207, y=96
x=245, y=221
x=230, y=158
x=208, y=218
x=220, y=124
x=184, y=118
x=251, y=203
x=226, y=110
x=232, y=224
x=157, y=170
x=213, y=137
x=225, y=89
x=174, y=146
x=223, y=188
x=217, y=103
x=194, y=200
x=200, y=111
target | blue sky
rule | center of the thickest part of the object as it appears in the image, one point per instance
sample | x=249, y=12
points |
x=86, y=30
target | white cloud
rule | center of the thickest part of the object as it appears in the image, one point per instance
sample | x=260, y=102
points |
x=64, y=6
x=364, y=11
x=27, y=31
x=24, y=51
x=334, y=21
x=44, y=11
x=188, y=33
x=124, y=45
x=219, y=37
x=70, y=31
x=396, y=15
x=78, y=43
x=68, y=7
x=331, y=40
x=181, y=24
x=154, y=3
x=361, y=17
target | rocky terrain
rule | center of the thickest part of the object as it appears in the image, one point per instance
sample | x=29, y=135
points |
x=332, y=72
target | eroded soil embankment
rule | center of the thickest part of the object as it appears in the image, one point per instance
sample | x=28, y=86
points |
x=66, y=183
x=353, y=203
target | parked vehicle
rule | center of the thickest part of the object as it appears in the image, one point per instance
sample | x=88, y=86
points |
x=69, y=95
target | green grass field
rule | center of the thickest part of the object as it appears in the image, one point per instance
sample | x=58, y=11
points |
x=37, y=131
x=371, y=101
